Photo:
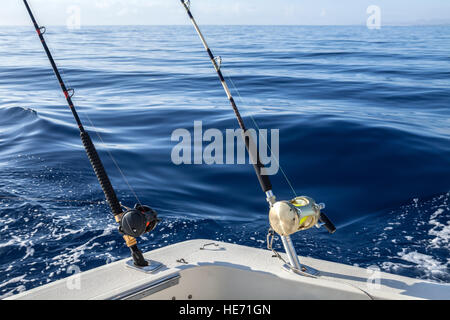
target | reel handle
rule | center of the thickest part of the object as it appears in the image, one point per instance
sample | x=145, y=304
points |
x=327, y=223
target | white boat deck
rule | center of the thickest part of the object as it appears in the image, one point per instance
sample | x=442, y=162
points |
x=230, y=271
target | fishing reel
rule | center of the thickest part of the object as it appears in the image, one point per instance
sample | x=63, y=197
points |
x=137, y=221
x=300, y=213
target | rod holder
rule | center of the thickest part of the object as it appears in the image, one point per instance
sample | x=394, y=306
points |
x=290, y=251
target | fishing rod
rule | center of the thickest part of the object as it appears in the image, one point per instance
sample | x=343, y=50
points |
x=133, y=222
x=286, y=217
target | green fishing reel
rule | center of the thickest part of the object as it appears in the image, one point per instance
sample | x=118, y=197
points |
x=300, y=213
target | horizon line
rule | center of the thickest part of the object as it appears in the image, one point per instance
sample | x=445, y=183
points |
x=267, y=25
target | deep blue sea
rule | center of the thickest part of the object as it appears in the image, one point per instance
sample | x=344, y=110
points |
x=364, y=120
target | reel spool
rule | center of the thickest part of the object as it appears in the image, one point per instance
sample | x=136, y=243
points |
x=300, y=213
x=137, y=221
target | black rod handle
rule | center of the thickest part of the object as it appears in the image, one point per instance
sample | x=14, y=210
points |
x=101, y=174
x=264, y=180
x=327, y=223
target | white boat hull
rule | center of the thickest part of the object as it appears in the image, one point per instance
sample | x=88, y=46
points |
x=191, y=270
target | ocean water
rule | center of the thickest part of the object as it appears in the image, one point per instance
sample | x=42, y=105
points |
x=364, y=127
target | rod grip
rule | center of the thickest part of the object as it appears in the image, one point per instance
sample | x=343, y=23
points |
x=100, y=172
x=264, y=180
x=327, y=223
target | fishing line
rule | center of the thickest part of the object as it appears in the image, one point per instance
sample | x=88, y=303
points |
x=96, y=131
x=113, y=160
x=256, y=125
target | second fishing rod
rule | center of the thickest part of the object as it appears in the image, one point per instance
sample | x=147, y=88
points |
x=286, y=217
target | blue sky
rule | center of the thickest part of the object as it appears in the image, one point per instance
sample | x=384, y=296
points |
x=299, y=12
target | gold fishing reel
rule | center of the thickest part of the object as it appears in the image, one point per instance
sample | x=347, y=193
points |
x=300, y=213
